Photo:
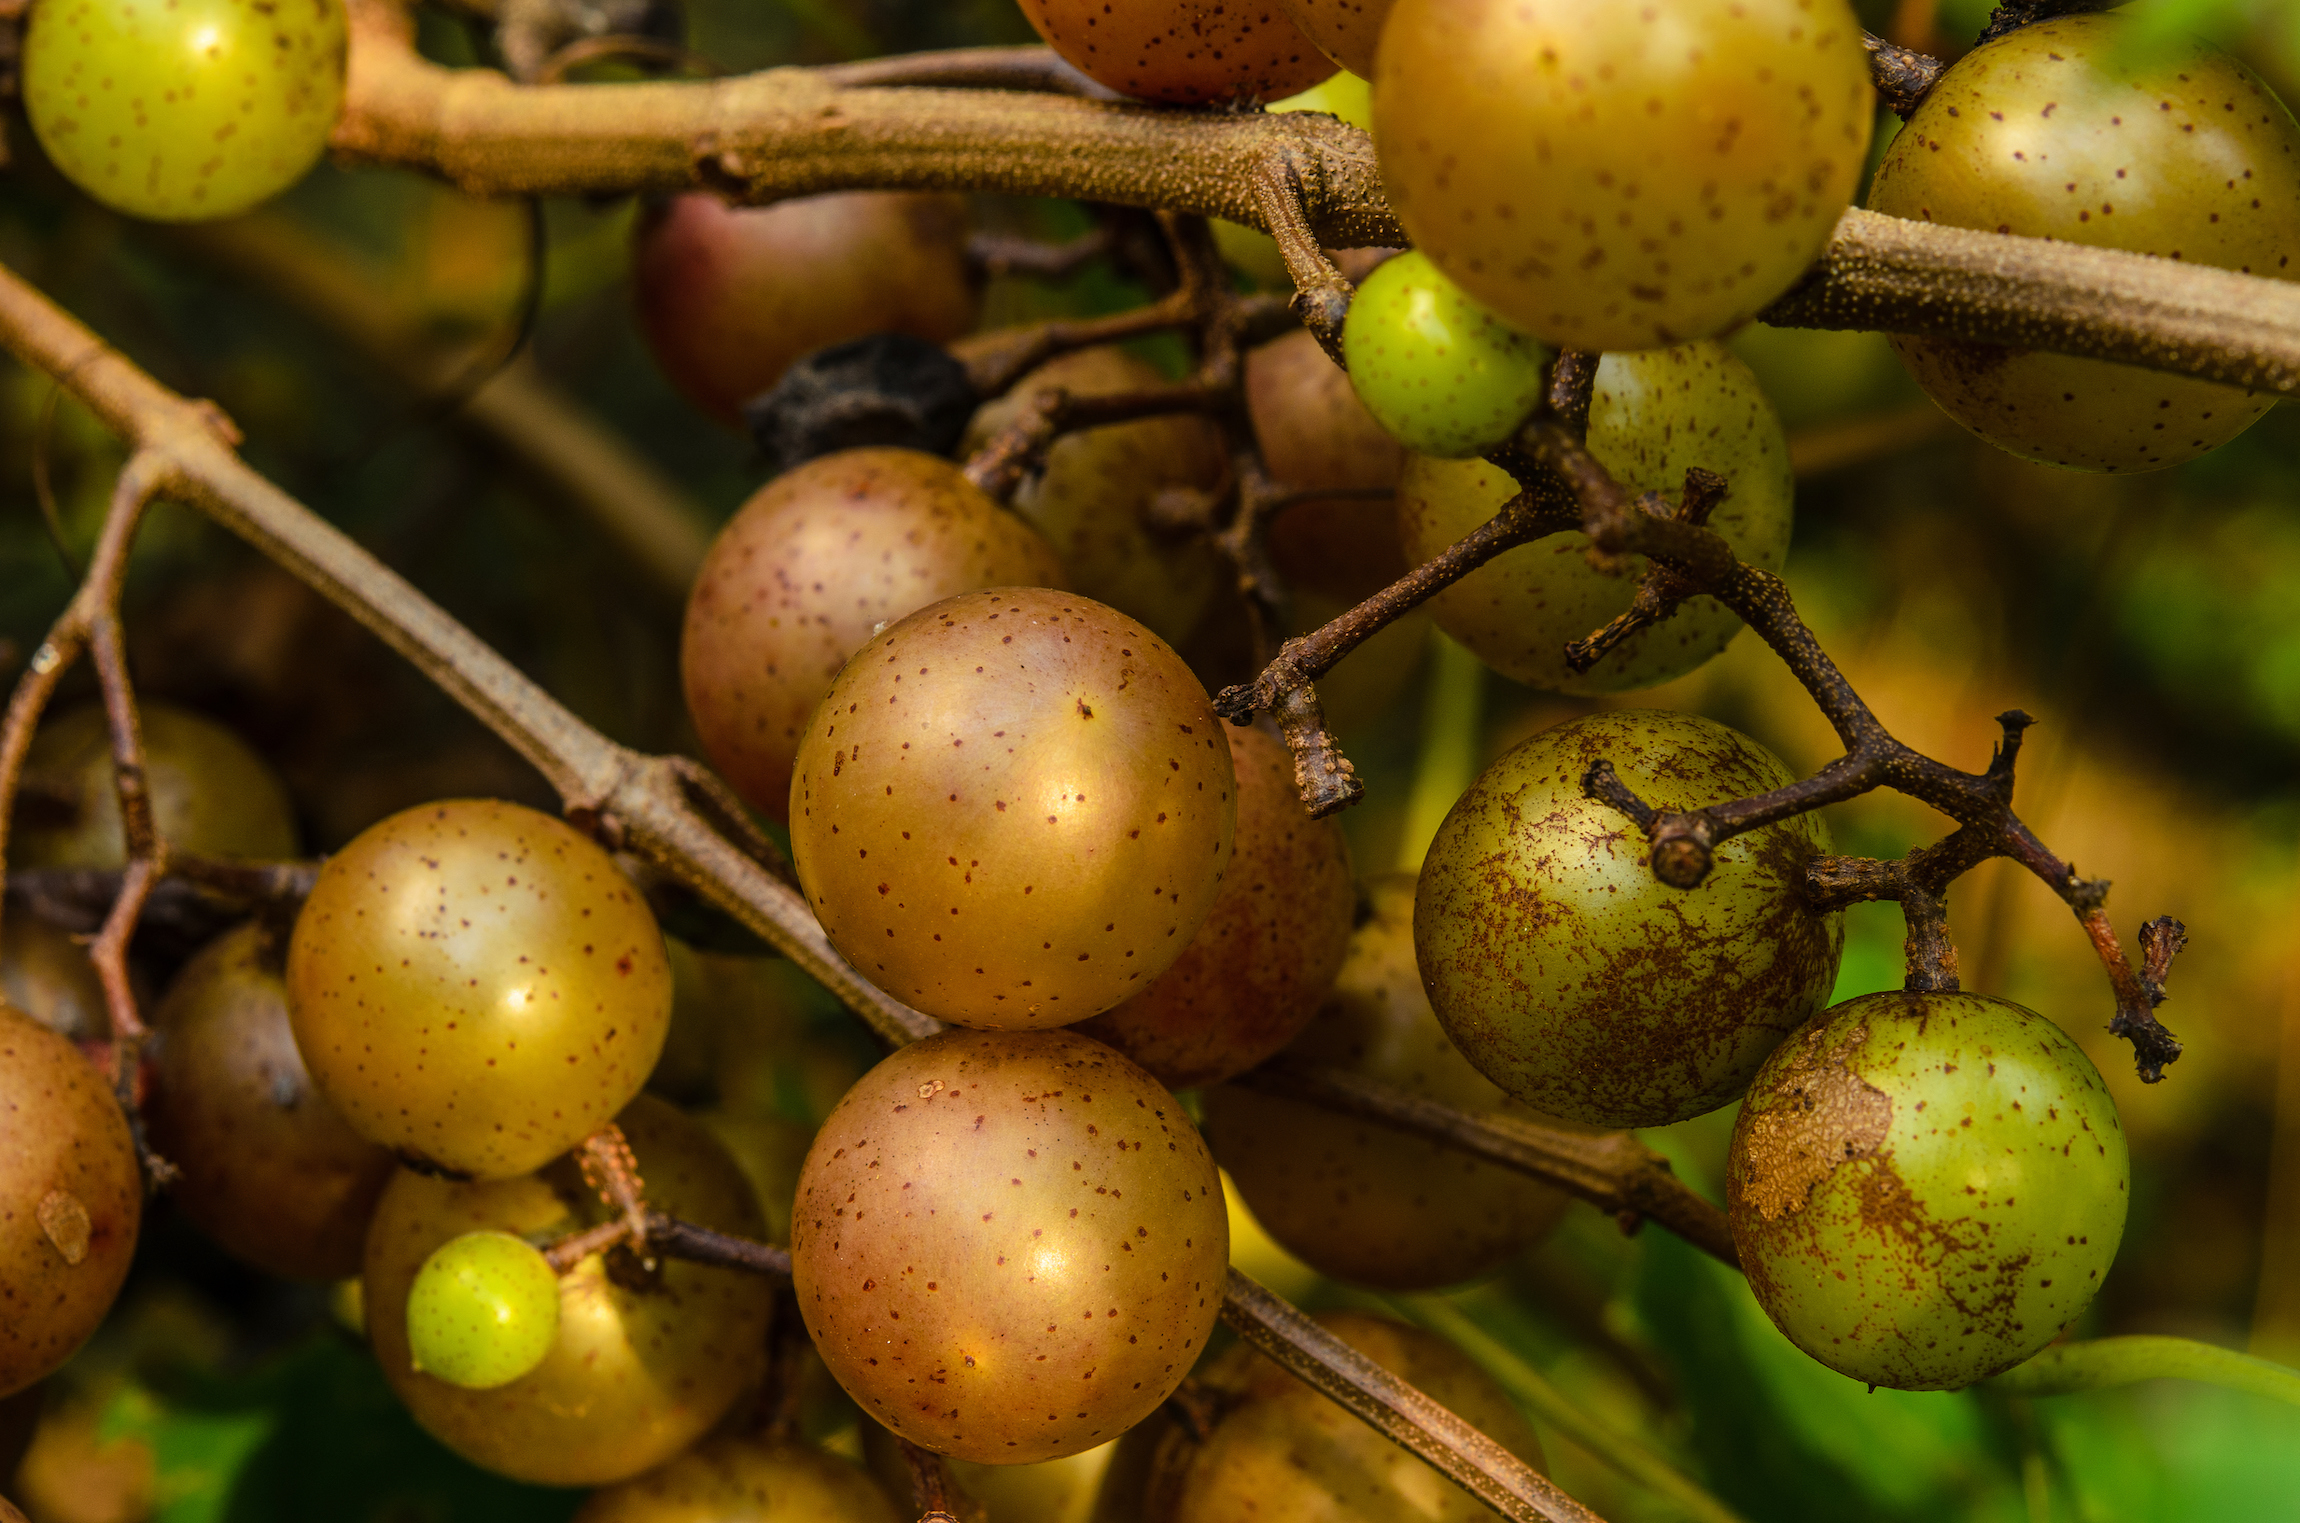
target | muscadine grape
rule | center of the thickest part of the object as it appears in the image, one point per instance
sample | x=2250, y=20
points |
x=1051, y=1491
x=47, y=975
x=475, y=985
x=1925, y=1188
x=211, y=794
x=646, y=1361
x=1622, y=176
x=729, y=296
x=1267, y=951
x=2074, y=129
x=816, y=562
x=1182, y=52
x=1623, y=1001
x=734, y=1479
x=1653, y=415
x=1358, y=1200
x=183, y=110
x=483, y=1311
x=1091, y=498
x=1317, y=436
x=1009, y=1246
x=71, y=1198
x=1437, y=369
x=265, y=1164
x=1344, y=30
x=1014, y=809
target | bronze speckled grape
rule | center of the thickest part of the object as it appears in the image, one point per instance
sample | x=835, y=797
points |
x=1316, y=435
x=733, y=1479
x=212, y=795
x=1183, y=52
x=1344, y=30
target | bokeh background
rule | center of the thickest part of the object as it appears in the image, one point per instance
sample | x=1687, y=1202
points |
x=2151, y=624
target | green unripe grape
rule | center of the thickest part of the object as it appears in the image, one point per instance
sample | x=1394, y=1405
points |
x=1925, y=1188
x=1571, y=976
x=184, y=110
x=1438, y=370
x=2069, y=129
x=483, y=1311
x=1652, y=415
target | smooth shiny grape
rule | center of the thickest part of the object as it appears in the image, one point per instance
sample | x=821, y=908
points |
x=1014, y=809
x=1622, y=176
x=483, y=1311
x=1624, y=1001
x=2076, y=129
x=1926, y=1188
x=211, y=795
x=734, y=1479
x=1267, y=952
x=47, y=975
x=1358, y=1200
x=1182, y=52
x=477, y=986
x=1653, y=415
x=1010, y=1246
x=71, y=1198
x=184, y=110
x=1438, y=370
x=807, y=570
x=1344, y=30
x=1091, y=500
x=729, y=296
x=645, y=1361
x=1316, y=435
x=265, y=1163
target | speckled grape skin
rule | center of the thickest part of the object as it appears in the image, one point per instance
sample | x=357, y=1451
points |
x=809, y=569
x=1439, y=371
x=211, y=793
x=70, y=1199
x=2061, y=130
x=184, y=110
x=1014, y=809
x=483, y=1311
x=1183, y=52
x=736, y=1479
x=644, y=1364
x=476, y=986
x=1267, y=952
x=1366, y=1202
x=1009, y=1246
x=1579, y=982
x=1925, y=1188
x=1622, y=176
x=1653, y=415
x=1344, y=30
x=1090, y=499
x=266, y=1165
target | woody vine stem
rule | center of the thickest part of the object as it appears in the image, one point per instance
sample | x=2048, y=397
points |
x=1313, y=183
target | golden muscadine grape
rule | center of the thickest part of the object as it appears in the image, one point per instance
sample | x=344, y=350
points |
x=211, y=794
x=184, y=110
x=1344, y=30
x=47, y=975
x=477, y=986
x=734, y=1479
x=1622, y=176
x=2072, y=129
x=1014, y=809
x=1653, y=415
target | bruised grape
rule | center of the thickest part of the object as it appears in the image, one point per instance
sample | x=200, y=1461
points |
x=1652, y=416
x=211, y=795
x=1010, y=1246
x=1441, y=373
x=71, y=1198
x=745, y=1480
x=1014, y=809
x=1267, y=951
x=483, y=1311
x=1615, y=177
x=265, y=1163
x=477, y=986
x=645, y=1360
x=2075, y=129
x=1926, y=1188
x=1183, y=52
x=807, y=570
x=1578, y=981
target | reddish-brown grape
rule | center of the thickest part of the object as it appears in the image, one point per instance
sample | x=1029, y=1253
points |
x=815, y=563
x=1183, y=52
x=212, y=795
x=729, y=296
x=477, y=986
x=1344, y=30
x=266, y=1165
x=1268, y=950
x=1009, y=1246
x=71, y=1198
x=1317, y=436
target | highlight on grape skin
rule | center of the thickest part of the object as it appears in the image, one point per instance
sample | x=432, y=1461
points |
x=483, y=1311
